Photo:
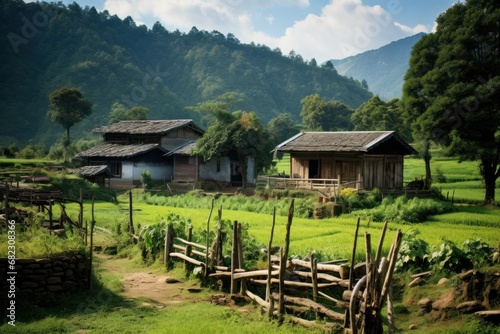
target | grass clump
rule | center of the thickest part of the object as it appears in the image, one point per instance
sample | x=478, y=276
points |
x=405, y=210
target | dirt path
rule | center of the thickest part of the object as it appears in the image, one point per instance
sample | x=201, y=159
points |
x=158, y=289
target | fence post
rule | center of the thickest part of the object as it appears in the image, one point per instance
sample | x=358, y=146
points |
x=234, y=255
x=188, y=247
x=168, y=244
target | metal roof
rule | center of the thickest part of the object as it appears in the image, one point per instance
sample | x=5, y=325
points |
x=342, y=141
x=118, y=151
x=147, y=126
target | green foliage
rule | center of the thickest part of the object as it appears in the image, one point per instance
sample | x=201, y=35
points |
x=405, y=210
x=152, y=236
x=451, y=88
x=350, y=199
x=478, y=252
x=146, y=180
x=413, y=253
x=282, y=127
x=120, y=113
x=449, y=256
x=378, y=115
x=111, y=58
x=320, y=115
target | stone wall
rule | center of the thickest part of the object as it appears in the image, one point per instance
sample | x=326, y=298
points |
x=37, y=277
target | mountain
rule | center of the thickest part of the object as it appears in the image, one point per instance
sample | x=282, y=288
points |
x=110, y=60
x=383, y=68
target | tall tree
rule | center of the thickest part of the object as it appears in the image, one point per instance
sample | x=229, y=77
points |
x=282, y=127
x=456, y=82
x=237, y=133
x=378, y=115
x=320, y=115
x=67, y=107
x=120, y=113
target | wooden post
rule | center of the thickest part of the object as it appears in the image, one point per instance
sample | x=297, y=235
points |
x=188, y=246
x=243, y=285
x=130, y=215
x=50, y=215
x=284, y=259
x=351, y=270
x=80, y=216
x=169, y=241
x=234, y=255
x=6, y=202
x=390, y=312
x=314, y=277
x=281, y=287
x=92, y=224
x=207, y=269
x=269, y=298
x=269, y=264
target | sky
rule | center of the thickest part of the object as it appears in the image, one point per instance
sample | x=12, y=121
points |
x=319, y=29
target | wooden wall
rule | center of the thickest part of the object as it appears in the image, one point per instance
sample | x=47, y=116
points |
x=377, y=171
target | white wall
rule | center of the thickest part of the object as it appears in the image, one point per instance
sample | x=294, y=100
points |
x=208, y=170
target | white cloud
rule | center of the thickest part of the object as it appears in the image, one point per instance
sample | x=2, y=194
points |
x=344, y=27
x=409, y=30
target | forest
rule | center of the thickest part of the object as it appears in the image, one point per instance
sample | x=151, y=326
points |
x=50, y=45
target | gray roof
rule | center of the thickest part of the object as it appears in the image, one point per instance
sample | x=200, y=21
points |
x=95, y=170
x=147, y=126
x=342, y=141
x=185, y=149
x=118, y=151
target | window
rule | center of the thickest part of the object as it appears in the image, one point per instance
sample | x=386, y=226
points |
x=218, y=165
x=115, y=167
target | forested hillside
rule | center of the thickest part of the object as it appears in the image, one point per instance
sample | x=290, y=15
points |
x=45, y=46
x=383, y=69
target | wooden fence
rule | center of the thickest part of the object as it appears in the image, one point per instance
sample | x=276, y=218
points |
x=294, y=287
x=332, y=187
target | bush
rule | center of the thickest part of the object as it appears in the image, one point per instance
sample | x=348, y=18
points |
x=146, y=179
x=413, y=253
x=404, y=210
x=448, y=256
x=478, y=252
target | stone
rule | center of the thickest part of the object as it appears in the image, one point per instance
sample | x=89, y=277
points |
x=42, y=261
x=412, y=327
x=443, y=281
x=69, y=273
x=55, y=288
x=58, y=269
x=32, y=266
x=29, y=285
x=425, y=303
x=54, y=280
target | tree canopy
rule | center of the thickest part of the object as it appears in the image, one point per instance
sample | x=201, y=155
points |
x=452, y=87
x=234, y=133
x=67, y=107
x=120, y=113
x=378, y=115
x=320, y=115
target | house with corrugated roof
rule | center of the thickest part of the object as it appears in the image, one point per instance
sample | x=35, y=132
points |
x=371, y=159
x=164, y=147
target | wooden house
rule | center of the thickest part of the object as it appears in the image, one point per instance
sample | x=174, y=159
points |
x=372, y=158
x=161, y=146
x=99, y=174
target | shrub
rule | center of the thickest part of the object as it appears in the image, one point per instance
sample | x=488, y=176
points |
x=413, y=252
x=404, y=210
x=146, y=179
x=449, y=257
x=478, y=252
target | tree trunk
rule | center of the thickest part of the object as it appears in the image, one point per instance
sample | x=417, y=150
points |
x=66, y=146
x=490, y=175
x=427, y=160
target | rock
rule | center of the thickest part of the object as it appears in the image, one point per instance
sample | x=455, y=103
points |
x=425, y=303
x=443, y=281
x=412, y=327
x=170, y=280
x=467, y=275
x=55, y=288
x=415, y=282
x=491, y=316
x=54, y=280
x=69, y=273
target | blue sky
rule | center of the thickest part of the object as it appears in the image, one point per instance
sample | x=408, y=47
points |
x=320, y=29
